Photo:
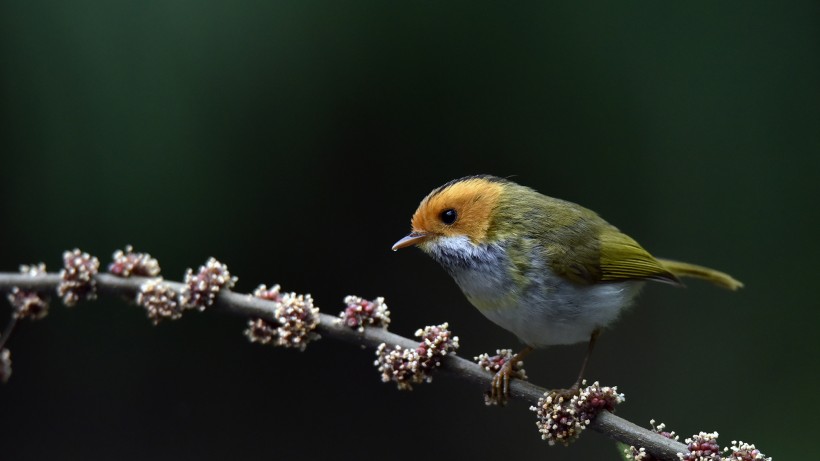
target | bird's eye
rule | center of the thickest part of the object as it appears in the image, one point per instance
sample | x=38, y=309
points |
x=448, y=216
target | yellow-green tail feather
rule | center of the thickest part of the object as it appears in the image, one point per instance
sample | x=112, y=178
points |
x=720, y=279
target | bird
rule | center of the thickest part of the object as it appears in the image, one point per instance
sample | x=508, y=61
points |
x=547, y=270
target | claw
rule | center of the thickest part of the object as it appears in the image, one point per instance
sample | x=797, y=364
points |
x=500, y=389
x=566, y=394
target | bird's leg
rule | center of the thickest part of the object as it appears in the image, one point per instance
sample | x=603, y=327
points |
x=568, y=393
x=590, y=347
x=500, y=390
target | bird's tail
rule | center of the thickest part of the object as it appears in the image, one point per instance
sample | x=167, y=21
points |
x=720, y=279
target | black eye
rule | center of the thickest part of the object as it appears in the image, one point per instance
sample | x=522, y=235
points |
x=448, y=216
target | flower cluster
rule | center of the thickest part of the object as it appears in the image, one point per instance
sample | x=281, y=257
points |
x=561, y=420
x=741, y=451
x=77, y=277
x=159, y=300
x=203, y=287
x=414, y=366
x=660, y=429
x=637, y=454
x=702, y=447
x=640, y=454
x=268, y=294
x=29, y=303
x=400, y=365
x=436, y=342
x=127, y=263
x=296, y=320
x=360, y=313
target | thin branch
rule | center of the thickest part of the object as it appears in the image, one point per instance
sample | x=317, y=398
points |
x=7, y=332
x=248, y=306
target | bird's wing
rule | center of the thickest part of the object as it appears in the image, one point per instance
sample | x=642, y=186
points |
x=622, y=258
x=610, y=256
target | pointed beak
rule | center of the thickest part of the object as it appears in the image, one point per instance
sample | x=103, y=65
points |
x=413, y=238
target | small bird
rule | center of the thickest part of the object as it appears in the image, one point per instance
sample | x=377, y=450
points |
x=547, y=270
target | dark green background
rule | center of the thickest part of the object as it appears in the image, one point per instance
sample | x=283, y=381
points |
x=293, y=140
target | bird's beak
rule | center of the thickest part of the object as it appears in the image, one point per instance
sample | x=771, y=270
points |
x=413, y=238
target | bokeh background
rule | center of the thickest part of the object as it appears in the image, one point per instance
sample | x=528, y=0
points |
x=293, y=140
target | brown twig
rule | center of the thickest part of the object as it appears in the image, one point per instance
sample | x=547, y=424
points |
x=248, y=306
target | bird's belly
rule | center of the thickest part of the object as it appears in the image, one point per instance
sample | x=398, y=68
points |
x=553, y=312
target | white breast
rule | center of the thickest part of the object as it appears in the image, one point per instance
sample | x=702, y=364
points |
x=563, y=314
x=549, y=310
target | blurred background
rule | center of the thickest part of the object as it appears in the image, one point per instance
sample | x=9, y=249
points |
x=293, y=141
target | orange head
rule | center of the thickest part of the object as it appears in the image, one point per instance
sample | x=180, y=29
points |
x=462, y=207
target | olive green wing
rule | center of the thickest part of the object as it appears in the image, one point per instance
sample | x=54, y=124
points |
x=618, y=257
x=611, y=257
x=578, y=264
x=583, y=248
x=622, y=258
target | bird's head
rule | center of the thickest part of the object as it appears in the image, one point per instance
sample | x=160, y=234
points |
x=462, y=209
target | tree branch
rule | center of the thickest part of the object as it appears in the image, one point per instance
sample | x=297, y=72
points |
x=249, y=306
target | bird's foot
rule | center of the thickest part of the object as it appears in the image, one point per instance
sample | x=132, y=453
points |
x=566, y=394
x=500, y=390
x=570, y=392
